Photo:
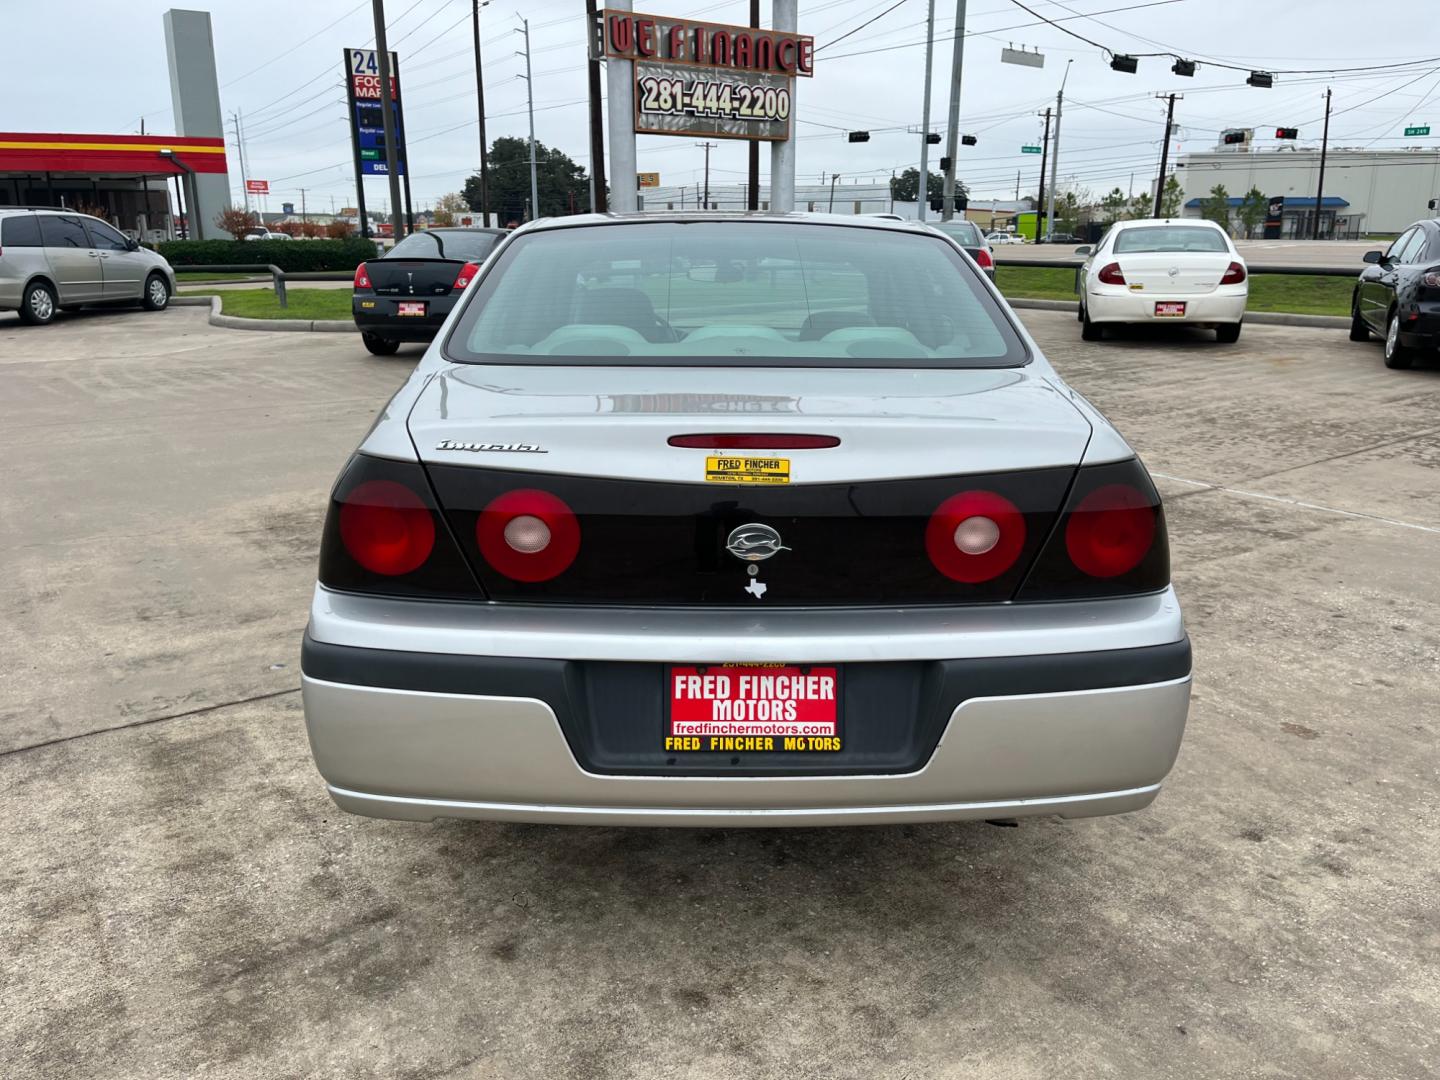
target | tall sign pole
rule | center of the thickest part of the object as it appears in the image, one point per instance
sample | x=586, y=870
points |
x=387, y=115
x=530, y=105
x=952, y=136
x=752, y=189
x=480, y=108
x=620, y=94
x=785, y=15
x=922, y=187
x=598, y=200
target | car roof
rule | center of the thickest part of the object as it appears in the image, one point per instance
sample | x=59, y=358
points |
x=1135, y=223
x=682, y=217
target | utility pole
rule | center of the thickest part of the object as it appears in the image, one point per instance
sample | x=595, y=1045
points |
x=1040, y=193
x=480, y=109
x=240, y=153
x=922, y=188
x=1055, y=156
x=952, y=137
x=303, y=220
x=1320, y=186
x=1164, y=154
x=387, y=116
x=707, y=147
x=598, y=201
x=530, y=105
x=752, y=191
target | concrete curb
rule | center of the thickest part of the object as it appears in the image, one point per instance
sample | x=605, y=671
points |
x=235, y=322
x=1261, y=318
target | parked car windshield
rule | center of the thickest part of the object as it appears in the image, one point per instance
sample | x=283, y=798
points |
x=734, y=293
x=962, y=232
x=466, y=245
x=1157, y=238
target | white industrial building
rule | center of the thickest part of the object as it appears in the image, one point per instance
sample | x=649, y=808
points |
x=839, y=198
x=1366, y=191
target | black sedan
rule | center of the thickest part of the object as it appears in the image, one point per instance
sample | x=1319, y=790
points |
x=406, y=294
x=1398, y=295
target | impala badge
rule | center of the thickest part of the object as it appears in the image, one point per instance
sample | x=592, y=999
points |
x=754, y=542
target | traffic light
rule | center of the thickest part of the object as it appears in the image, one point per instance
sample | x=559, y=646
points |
x=1184, y=67
x=933, y=138
x=1287, y=133
x=1127, y=64
x=1262, y=79
x=858, y=136
x=945, y=164
x=967, y=140
x=1232, y=138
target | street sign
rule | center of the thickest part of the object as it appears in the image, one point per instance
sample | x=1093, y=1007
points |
x=1424, y=129
x=1029, y=149
x=258, y=187
x=648, y=179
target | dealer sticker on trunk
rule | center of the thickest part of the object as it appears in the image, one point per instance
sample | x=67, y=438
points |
x=747, y=470
x=755, y=708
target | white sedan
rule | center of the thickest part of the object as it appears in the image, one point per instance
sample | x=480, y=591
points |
x=1150, y=271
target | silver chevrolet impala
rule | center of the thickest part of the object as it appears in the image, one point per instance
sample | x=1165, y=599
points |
x=720, y=519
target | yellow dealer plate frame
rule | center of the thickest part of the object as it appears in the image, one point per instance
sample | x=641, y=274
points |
x=747, y=470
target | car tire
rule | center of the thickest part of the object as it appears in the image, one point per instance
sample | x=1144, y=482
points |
x=1090, y=331
x=1359, y=329
x=378, y=345
x=1397, y=356
x=156, y=296
x=1227, y=333
x=38, y=304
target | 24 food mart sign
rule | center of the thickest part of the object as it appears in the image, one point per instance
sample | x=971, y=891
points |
x=701, y=78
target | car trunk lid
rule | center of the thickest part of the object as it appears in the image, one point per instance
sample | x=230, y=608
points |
x=1174, y=273
x=413, y=277
x=655, y=519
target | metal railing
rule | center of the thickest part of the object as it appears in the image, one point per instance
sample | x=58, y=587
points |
x=278, y=277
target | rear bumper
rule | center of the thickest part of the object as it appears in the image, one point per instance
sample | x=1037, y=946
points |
x=382, y=320
x=1420, y=326
x=1225, y=305
x=425, y=735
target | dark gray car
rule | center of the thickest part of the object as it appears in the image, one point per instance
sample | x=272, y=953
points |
x=55, y=260
x=968, y=235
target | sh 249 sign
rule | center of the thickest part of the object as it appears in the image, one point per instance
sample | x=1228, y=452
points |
x=694, y=78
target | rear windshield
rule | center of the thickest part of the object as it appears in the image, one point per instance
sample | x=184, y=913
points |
x=445, y=244
x=1168, y=238
x=962, y=232
x=734, y=293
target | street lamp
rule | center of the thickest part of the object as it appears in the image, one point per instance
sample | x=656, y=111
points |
x=832, y=192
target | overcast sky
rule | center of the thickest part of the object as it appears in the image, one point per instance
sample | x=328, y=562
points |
x=279, y=64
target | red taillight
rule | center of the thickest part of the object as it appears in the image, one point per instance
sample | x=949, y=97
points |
x=975, y=536
x=1110, y=275
x=1110, y=531
x=362, y=277
x=983, y=259
x=386, y=527
x=1234, y=274
x=754, y=442
x=466, y=275
x=528, y=535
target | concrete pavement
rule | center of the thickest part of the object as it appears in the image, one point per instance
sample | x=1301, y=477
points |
x=181, y=899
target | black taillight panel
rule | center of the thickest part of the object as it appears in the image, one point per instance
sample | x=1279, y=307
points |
x=1109, y=541
x=441, y=573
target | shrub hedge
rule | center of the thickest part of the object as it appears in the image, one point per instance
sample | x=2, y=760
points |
x=290, y=255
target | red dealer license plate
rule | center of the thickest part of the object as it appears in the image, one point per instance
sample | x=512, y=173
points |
x=407, y=307
x=753, y=708
x=1170, y=309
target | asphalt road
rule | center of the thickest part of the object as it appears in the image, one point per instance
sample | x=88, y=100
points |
x=178, y=897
